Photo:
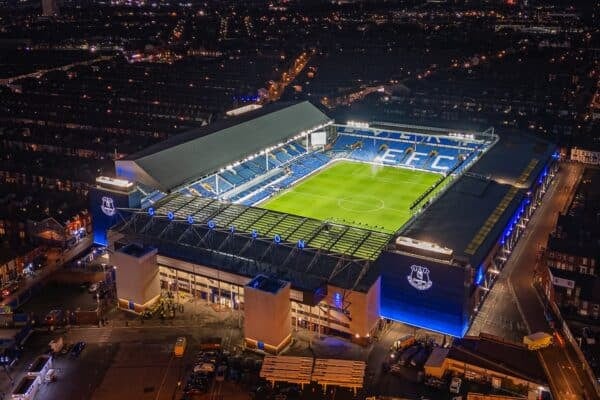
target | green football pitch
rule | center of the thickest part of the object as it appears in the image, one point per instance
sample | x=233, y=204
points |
x=364, y=195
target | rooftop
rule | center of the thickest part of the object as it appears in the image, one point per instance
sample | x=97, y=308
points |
x=266, y=284
x=354, y=242
x=202, y=151
x=513, y=155
x=495, y=354
x=578, y=230
x=251, y=241
x=135, y=250
x=471, y=215
x=455, y=220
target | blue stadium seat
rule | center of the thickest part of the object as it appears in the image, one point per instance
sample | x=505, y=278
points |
x=391, y=149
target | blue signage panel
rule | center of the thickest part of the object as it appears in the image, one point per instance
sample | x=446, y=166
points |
x=424, y=293
x=103, y=205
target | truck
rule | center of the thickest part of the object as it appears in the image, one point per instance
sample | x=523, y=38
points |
x=538, y=340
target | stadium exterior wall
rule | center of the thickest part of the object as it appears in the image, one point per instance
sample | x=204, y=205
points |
x=353, y=314
x=425, y=293
x=104, y=204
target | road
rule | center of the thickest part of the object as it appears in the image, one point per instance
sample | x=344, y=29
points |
x=41, y=72
x=567, y=378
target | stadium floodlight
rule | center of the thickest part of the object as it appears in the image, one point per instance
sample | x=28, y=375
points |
x=357, y=124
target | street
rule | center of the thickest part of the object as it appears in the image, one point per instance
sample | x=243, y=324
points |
x=513, y=308
x=567, y=378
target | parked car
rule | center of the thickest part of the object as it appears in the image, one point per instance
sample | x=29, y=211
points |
x=10, y=288
x=434, y=382
x=56, y=345
x=77, y=349
x=50, y=375
x=455, y=385
x=94, y=287
x=221, y=373
x=206, y=368
x=54, y=317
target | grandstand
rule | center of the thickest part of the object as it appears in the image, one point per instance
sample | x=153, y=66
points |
x=364, y=220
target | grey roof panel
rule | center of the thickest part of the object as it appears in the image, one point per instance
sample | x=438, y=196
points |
x=199, y=152
x=454, y=220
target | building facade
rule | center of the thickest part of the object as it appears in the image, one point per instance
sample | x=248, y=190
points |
x=571, y=277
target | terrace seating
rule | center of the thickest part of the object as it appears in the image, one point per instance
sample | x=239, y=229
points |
x=297, y=169
x=421, y=153
x=201, y=190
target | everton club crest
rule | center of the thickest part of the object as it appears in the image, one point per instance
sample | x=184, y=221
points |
x=107, y=206
x=419, y=277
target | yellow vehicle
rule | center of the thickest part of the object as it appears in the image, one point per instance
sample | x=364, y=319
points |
x=538, y=340
x=180, y=346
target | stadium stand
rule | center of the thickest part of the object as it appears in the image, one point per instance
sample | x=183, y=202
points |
x=428, y=153
x=257, y=179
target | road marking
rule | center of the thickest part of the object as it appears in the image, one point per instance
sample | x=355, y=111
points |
x=569, y=387
x=164, y=377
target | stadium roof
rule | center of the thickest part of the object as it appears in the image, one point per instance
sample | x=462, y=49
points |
x=455, y=219
x=199, y=152
x=494, y=354
x=472, y=214
x=506, y=160
x=330, y=253
x=345, y=240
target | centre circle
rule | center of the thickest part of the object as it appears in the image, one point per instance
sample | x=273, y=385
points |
x=361, y=204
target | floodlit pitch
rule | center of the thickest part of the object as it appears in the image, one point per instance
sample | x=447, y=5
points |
x=352, y=193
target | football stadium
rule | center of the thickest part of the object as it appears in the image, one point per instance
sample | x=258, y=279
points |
x=303, y=222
